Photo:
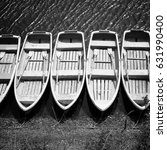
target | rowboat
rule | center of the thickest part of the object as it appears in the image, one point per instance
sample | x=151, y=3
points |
x=68, y=68
x=103, y=68
x=9, y=50
x=33, y=68
x=136, y=67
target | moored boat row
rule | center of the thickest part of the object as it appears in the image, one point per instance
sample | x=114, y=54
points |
x=68, y=67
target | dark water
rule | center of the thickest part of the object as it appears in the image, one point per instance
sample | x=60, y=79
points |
x=20, y=17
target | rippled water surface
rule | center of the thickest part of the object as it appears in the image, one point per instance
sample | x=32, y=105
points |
x=20, y=17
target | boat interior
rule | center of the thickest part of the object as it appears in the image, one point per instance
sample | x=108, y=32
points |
x=137, y=66
x=8, y=53
x=33, y=68
x=67, y=75
x=103, y=68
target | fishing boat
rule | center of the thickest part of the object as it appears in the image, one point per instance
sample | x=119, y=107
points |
x=136, y=67
x=9, y=51
x=68, y=68
x=33, y=68
x=103, y=68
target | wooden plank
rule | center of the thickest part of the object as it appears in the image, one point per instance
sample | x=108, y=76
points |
x=8, y=47
x=100, y=59
x=66, y=97
x=27, y=84
x=63, y=57
x=104, y=59
x=1, y=85
x=105, y=89
x=66, y=46
x=136, y=45
x=37, y=46
x=144, y=56
x=6, y=65
x=63, y=86
x=101, y=73
x=35, y=88
x=38, y=64
x=72, y=86
x=128, y=54
x=137, y=86
x=138, y=57
x=5, y=76
x=10, y=60
x=113, y=63
x=22, y=87
x=30, y=88
x=66, y=74
x=102, y=43
x=102, y=89
x=3, y=60
x=94, y=89
x=138, y=74
x=148, y=86
x=108, y=88
x=3, y=88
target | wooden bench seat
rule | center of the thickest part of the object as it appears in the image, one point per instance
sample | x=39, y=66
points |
x=99, y=43
x=66, y=46
x=136, y=45
x=137, y=74
x=66, y=99
x=68, y=74
x=27, y=100
x=8, y=47
x=101, y=73
x=32, y=75
x=37, y=46
x=5, y=76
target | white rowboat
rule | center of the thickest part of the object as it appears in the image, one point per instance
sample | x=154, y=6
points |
x=136, y=67
x=9, y=51
x=33, y=69
x=103, y=68
x=68, y=68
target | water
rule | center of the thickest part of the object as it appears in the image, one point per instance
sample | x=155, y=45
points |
x=20, y=17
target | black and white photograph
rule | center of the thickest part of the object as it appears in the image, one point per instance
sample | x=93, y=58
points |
x=75, y=74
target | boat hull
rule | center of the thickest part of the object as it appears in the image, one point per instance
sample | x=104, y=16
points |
x=9, y=51
x=68, y=68
x=103, y=68
x=33, y=68
x=136, y=68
